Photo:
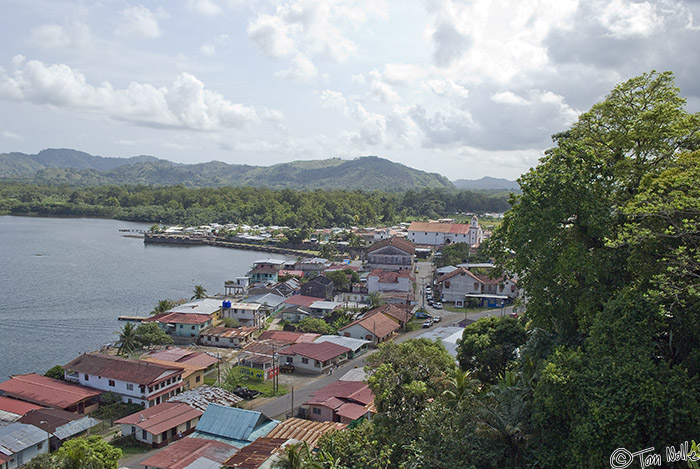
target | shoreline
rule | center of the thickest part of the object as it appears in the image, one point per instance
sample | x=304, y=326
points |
x=184, y=240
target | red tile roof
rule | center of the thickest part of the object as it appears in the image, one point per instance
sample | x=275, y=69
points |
x=375, y=323
x=300, y=300
x=400, y=243
x=123, y=369
x=179, y=318
x=161, y=417
x=46, y=391
x=289, y=336
x=15, y=406
x=256, y=454
x=316, y=351
x=432, y=227
x=184, y=452
x=459, y=271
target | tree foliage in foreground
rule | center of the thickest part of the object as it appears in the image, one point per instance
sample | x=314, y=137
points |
x=604, y=239
x=90, y=452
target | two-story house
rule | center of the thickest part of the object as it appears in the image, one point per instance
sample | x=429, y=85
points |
x=265, y=270
x=247, y=314
x=394, y=254
x=135, y=381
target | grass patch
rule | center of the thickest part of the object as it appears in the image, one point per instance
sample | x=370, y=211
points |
x=210, y=381
x=130, y=446
x=265, y=388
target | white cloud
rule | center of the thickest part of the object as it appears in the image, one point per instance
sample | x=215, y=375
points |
x=8, y=135
x=54, y=36
x=373, y=130
x=209, y=49
x=314, y=29
x=508, y=97
x=206, y=7
x=333, y=100
x=626, y=19
x=302, y=69
x=139, y=22
x=185, y=104
x=448, y=89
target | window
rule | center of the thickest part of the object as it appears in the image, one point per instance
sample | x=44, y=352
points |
x=188, y=426
x=87, y=377
x=181, y=326
x=111, y=383
x=304, y=360
x=144, y=435
x=196, y=380
x=447, y=284
x=129, y=387
x=39, y=445
x=476, y=285
x=192, y=327
x=316, y=410
x=133, y=430
x=217, y=339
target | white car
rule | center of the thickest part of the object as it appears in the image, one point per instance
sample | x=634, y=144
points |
x=437, y=319
x=437, y=305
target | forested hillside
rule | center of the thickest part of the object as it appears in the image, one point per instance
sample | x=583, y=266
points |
x=65, y=166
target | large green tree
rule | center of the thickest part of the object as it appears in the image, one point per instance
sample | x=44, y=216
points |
x=488, y=347
x=574, y=201
x=404, y=378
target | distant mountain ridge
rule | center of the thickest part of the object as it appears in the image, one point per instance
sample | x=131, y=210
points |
x=487, y=183
x=66, y=166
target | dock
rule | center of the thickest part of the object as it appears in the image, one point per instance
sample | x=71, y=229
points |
x=132, y=318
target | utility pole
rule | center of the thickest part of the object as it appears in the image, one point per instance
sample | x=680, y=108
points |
x=292, y=410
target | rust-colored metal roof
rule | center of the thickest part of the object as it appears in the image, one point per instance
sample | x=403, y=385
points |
x=460, y=271
x=161, y=417
x=179, y=318
x=17, y=407
x=184, y=452
x=123, y=369
x=290, y=337
x=256, y=453
x=304, y=430
x=229, y=332
x=46, y=391
x=376, y=323
x=317, y=351
x=399, y=243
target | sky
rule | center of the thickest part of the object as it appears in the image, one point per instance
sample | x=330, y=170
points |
x=461, y=88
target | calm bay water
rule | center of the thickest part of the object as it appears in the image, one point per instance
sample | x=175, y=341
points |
x=63, y=282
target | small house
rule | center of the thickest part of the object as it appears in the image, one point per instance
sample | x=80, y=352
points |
x=314, y=357
x=161, y=424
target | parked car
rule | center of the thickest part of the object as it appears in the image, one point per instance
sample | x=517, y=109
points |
x=437, y=305
x=245, y=393
x=437, y=319
x=514, y=315
x=287, y=368
x=427, y=323
x=422, y=315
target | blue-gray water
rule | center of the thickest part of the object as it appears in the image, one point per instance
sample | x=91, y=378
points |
x=63, y=282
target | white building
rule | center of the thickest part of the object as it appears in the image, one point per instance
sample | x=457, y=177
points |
x=383, y=281
x=247, y=314
x=20, y=442
x=136, y=381
x=439, y=234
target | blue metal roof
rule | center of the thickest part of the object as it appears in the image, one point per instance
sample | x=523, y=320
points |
x=231, y=422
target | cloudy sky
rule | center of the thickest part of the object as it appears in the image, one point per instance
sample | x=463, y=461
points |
x=458, y=87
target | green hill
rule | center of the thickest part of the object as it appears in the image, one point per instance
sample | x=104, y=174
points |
x=64, y=166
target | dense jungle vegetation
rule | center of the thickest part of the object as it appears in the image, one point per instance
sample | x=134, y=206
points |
x=257, y=206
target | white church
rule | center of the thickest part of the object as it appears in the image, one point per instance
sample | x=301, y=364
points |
x=439, y=234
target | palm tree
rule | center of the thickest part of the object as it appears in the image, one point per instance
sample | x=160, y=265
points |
x=199, y=293
x=128, y=339
x=459, y=386
x=503, y=416
x=296, y=456
x=162, y=306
